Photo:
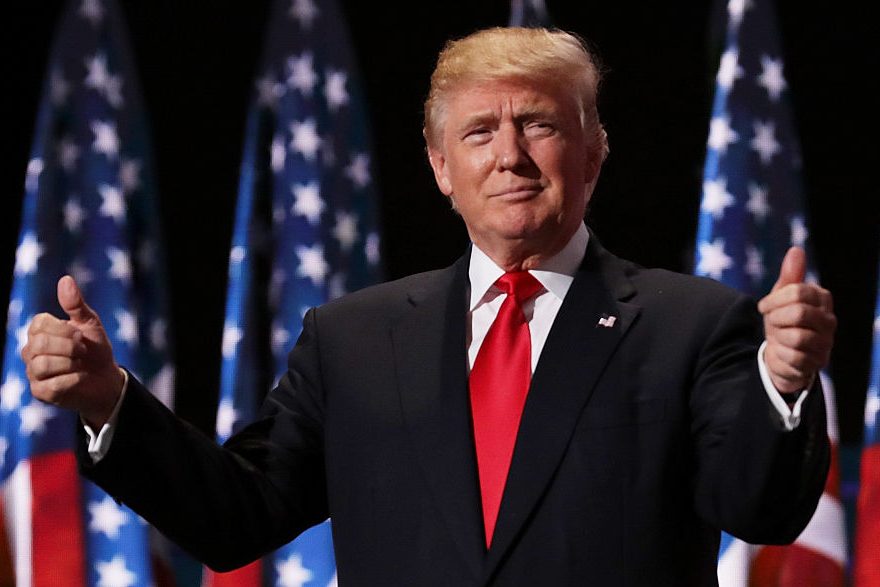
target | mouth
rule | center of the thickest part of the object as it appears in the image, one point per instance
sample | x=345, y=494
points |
x=520, y=192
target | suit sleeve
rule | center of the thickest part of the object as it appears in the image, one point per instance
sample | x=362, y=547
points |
x=755, y=479
x=225, y=505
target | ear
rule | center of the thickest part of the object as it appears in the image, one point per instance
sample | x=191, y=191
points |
x=441, y=175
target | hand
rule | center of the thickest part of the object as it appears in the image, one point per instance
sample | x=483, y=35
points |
x=70, y=362
x=799, y=325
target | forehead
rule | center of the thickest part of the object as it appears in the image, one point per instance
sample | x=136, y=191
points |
x=509, y=96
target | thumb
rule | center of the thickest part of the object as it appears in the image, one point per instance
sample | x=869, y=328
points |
x=793, y=269
x=72, y=302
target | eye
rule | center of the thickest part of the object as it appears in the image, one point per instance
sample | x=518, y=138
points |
x=478, y=135
x=539, y=128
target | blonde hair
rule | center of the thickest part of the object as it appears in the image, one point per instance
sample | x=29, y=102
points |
x=538, y=54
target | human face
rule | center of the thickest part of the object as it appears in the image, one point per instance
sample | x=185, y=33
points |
x=516, y=162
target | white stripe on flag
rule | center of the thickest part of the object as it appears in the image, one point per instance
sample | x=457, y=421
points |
x=824, y=533
x=17, y=505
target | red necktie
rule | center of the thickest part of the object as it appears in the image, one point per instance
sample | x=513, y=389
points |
x=499, y=382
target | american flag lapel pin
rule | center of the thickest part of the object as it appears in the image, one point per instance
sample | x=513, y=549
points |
x=606, y=321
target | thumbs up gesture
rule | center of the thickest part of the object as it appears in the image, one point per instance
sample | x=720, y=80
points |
x=799, y=325
x=70, y=362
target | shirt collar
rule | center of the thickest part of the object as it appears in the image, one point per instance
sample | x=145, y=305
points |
x=555, y=273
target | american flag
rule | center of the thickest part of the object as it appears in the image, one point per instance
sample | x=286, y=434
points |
x=305, y=232
x=528, y=13
x=751, y=211
x=867, y=541
x=89, y=211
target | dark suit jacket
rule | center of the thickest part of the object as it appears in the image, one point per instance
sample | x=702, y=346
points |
x=637, y=444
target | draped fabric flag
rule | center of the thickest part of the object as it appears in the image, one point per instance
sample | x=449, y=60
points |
x=867, y=542
x=528, y=13
x=752, y=210
x=89, y=211
x=305, y=232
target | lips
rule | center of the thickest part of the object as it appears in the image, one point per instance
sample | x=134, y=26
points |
x=519, y=191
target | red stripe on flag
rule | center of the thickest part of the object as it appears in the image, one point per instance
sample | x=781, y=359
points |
x=794, y=566
x=58, y=554
x=832, y=482
x=867, y=563
x=247, y=576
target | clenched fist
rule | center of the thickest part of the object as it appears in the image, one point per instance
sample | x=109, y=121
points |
x=70, y=362
x=799, y=325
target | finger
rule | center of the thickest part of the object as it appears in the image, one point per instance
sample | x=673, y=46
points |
x=51, y=325
x=816, y=345
x=791, y=365
x=793, y=269
x=802, y=316
x=72, y=302
x=50, y=344
x=54, y=389
x=45, y=367
x=794, y=293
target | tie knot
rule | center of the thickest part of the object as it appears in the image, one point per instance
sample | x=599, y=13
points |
x=519, y=284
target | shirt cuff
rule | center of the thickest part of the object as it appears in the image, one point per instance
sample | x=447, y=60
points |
x=791, y=415
x=99, y=444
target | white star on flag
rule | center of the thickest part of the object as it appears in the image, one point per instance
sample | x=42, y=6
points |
x=34, y=417
x=107, y=517
x=80, y=273
x=237, y=254
x=21, y=334
x=872, y=406
x=277, y=154
x=113, y=204
x=302, y=73
x=713, y=259
x=736, y=9
x=358, y=171
x=799, y=232
x=757, y=203
x=268, y=91
x=292, y=573
x=716, y=197
x=754, y=263
x=371, y=248
x=764, y=142
x=280, y=337
x=334, y=89
x=98, y=75
x=92, y=11
x=305, y=12
x=772, y=78
x=27, y=255
x=231, y=337
x=305, y=138
x=729, y=70
x=130, y=175
x=345, y=231
x=34, y=169
x=68, y=153
x=106, y=139
x=226, y=418
x=128, y=328
x=308, y=201
x=114, y=573
x=120, y=264
x=312, y=263
x=11, y=392
x=721, y=134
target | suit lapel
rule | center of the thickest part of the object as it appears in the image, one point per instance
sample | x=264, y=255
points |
x=573, y=359
x=431, y=363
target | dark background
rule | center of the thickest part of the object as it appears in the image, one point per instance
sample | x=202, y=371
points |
x=197, y=60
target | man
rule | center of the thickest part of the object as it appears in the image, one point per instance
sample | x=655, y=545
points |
x=597, y=424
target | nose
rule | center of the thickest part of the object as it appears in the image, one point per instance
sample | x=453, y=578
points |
x=510, y=152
